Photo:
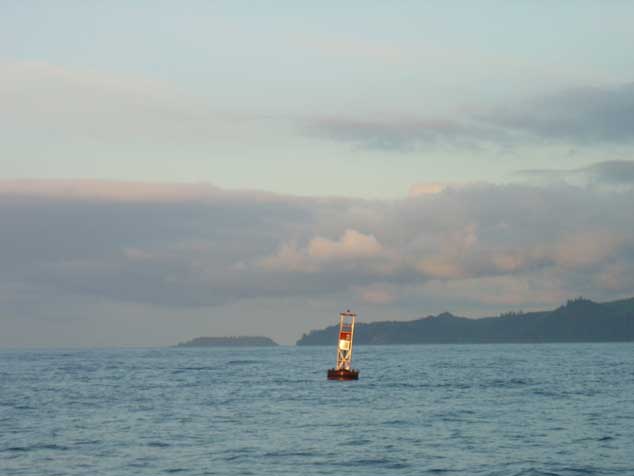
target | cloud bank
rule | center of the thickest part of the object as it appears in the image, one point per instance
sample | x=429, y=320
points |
x=182, y=249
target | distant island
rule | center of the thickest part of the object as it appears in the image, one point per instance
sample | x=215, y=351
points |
x=245, y=341
x=579, y=320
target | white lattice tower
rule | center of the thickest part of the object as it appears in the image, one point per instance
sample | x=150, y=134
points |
x=346, y=334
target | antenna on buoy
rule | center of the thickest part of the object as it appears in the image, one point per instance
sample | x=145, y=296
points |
x=344, y=370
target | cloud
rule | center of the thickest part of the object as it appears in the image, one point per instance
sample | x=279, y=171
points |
x=352, y=247
x=397, y=134
x=426, y=188
x=577, y=116
x=179, y=249
x=103, y=190
x=60, y=105
x=352, y=244
x=288, y=258
x=57, y=103
x=376, y=294
x=612, y=173
x=441, y=268
x=587, y=248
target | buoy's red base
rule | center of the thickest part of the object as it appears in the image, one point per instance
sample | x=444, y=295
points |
x=343, y=374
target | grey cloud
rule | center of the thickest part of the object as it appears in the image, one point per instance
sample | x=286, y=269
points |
x=402, y=134
x=178, y=253
x=577, y=115
x=615, y=173
x=583, y=115
x=416, y=255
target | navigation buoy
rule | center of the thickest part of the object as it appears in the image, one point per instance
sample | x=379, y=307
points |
x=343, y=370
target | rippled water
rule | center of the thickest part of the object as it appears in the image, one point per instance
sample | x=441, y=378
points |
x=464, y=409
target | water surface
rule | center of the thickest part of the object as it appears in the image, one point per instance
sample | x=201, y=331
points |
x=558, y=409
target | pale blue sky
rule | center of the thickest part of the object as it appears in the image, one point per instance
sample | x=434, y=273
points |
x=351, y=99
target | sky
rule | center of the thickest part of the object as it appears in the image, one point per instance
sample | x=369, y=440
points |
x=238, y=168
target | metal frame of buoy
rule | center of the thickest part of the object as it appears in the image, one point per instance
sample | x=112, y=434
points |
x=343, y=369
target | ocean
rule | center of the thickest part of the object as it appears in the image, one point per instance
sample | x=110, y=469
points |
x=517, y=409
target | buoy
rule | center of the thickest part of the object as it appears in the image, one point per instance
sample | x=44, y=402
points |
x=343, y=370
